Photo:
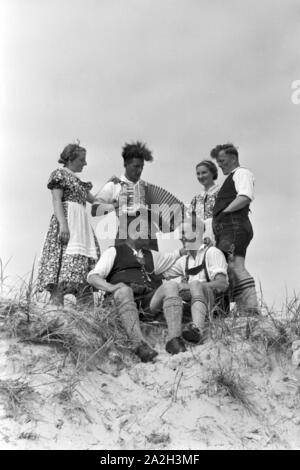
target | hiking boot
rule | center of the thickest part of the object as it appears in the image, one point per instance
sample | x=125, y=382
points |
x=145, y=352
x=192, y=334
x=175, y=345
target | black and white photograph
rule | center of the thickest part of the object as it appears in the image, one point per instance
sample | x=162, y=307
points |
x=150, y=223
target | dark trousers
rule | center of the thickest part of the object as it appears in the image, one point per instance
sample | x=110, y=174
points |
x=233, y=233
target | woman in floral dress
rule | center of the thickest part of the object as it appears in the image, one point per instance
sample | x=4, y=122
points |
x=202, y=205
x=71, y=249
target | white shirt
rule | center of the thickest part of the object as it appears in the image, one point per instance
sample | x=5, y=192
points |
x=244, y=182
x=162, y=262
x=215, y=263
x=111, y=191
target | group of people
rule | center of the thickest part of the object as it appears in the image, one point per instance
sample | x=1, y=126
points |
x=214, y=229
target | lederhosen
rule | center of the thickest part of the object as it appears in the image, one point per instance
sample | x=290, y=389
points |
x=221, y=301
x=233, y=231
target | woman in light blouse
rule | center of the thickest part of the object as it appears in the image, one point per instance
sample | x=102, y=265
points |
x=203, y=203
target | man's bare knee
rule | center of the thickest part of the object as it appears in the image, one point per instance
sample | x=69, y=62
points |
x=123, y=293
x=196, y=288
x=238, y=263
x=170, y=288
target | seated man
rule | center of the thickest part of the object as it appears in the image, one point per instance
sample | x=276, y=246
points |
x=129, y=273
x=204, y=272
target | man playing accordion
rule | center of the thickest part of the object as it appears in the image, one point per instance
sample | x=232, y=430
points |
x=141, y=207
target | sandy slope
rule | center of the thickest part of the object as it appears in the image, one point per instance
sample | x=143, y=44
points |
x=175, y=403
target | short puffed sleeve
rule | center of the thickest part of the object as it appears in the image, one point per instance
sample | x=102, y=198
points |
x=57, y=180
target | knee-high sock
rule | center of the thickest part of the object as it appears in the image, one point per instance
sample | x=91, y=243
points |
x=130, y=320
x=199, y=311
x=172, y=307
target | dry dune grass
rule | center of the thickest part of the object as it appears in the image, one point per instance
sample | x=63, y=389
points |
x=226, y=379
x=89, y=347
x=15, y=394
x=89, y=334
x=86, y=335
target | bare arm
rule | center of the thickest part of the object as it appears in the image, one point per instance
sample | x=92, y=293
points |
x=102, y=208
x=238, y=203
x=104, y=201
x=90, y=198
x=100, y=283
x=219, y=284
x=58, y=209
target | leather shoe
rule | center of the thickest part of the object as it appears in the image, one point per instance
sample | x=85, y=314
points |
x=175, y=345
x=145, y=352
x=192, y=333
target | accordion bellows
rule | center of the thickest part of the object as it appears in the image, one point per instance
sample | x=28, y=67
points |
x=166, y=209
x=164, y=205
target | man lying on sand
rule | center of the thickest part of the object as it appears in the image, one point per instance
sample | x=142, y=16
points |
x=204, y=272
x=133, y=274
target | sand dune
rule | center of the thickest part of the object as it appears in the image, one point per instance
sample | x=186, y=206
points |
x=239, y=390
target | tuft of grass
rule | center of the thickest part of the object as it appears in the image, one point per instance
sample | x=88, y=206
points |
x=3, y=276
x=67, y=391
x=292, y=309
x=226, y=379
x=287, y=324
x=85, y=335
x=17, y=307
x=30, y=289
x=15, y=394
x=14, y=316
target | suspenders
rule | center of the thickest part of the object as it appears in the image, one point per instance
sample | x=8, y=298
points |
x=196, y=269
x=221, y=300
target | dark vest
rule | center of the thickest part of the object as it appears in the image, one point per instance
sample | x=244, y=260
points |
x=127, y=269
x=225, y=196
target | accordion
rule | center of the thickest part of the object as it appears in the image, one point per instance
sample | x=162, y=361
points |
x=164, y=209
x=167, y=211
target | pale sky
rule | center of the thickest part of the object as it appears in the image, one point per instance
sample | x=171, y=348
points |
x=181, y=75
